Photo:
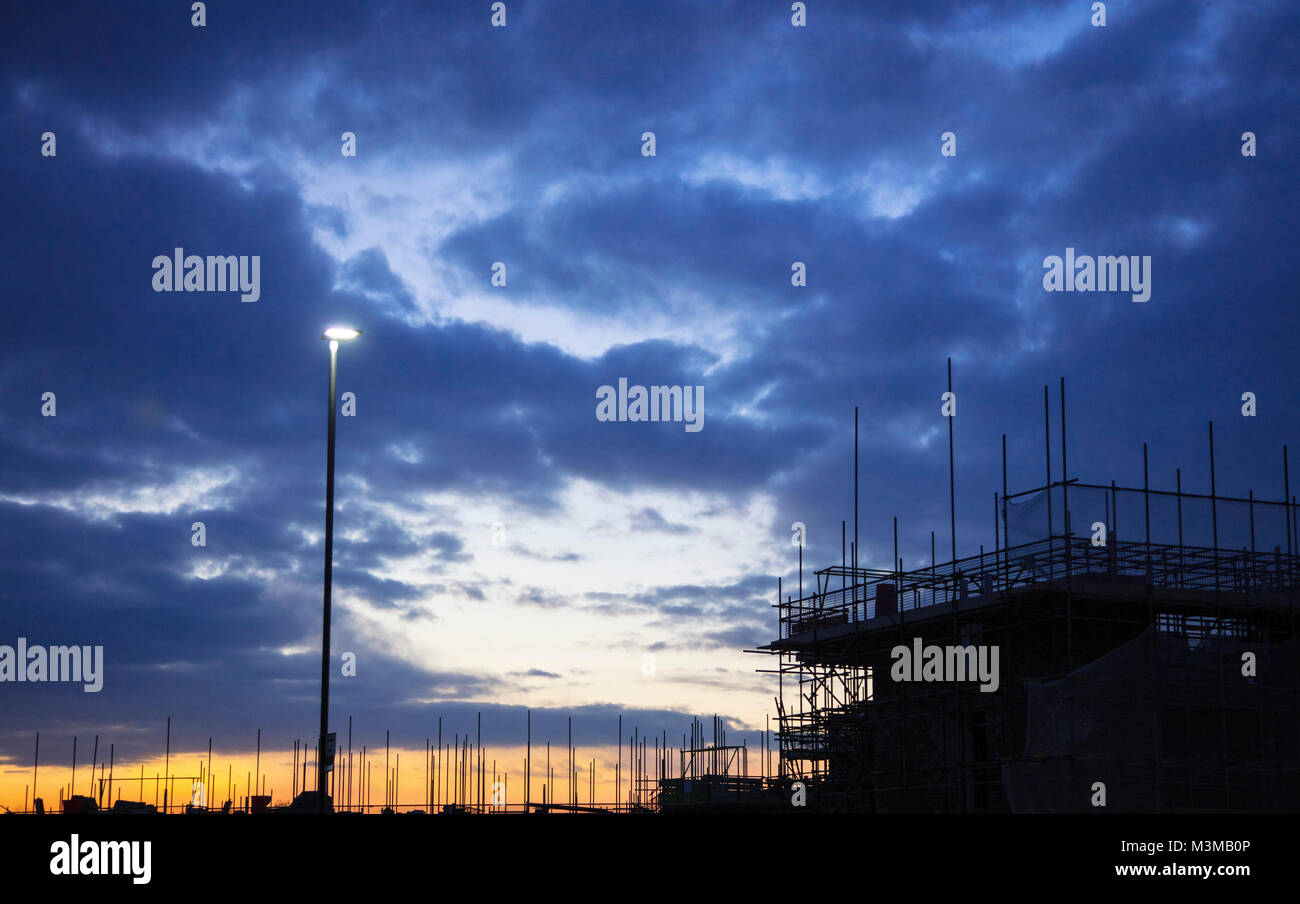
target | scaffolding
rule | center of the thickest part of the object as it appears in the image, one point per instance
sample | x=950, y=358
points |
x=1121, y=664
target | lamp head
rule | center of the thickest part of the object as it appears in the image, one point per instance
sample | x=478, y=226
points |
x=340, y=333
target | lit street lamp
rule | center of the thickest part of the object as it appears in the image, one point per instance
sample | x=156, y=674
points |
x=334, y=335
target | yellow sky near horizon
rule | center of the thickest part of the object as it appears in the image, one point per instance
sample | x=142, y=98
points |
x=230, y=777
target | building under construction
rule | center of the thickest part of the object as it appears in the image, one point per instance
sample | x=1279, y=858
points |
x=1144, y=651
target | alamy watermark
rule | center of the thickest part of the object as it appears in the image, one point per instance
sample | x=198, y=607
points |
x=657, y=403
x=183, y=272
x=1105, y=273
x=75, y=857
x=58, y=663
x=974, y=662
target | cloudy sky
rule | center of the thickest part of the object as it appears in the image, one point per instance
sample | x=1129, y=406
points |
x=498, y=548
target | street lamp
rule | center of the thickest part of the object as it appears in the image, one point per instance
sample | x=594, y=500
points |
x=334, y=335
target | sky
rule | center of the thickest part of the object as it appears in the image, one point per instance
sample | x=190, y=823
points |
x=499, y=548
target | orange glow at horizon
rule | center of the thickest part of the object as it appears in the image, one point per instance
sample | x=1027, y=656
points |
x=451, y=779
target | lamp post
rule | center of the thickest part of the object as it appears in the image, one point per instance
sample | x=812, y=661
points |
x=334, y=335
